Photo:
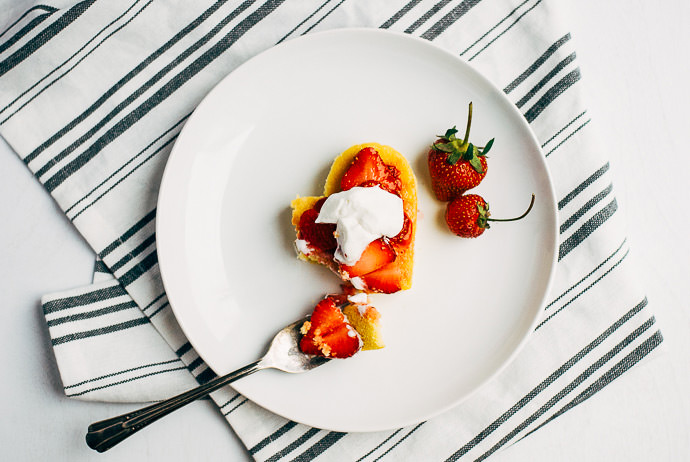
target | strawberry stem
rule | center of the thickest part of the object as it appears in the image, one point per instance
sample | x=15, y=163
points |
x=516, y=218
x=469, y=124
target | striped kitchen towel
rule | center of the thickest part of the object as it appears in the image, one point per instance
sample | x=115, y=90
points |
x=94, y=93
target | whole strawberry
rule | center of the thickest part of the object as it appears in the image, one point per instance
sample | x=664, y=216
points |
x=456, y=165
x=468, y=215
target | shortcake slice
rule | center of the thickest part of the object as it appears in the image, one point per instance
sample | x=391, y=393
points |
x=363, y=227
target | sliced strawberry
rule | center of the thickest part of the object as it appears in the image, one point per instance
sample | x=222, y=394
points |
x=318, y=235
x=368, y=167
x=393, y=182
x=390, y=186
x=377, y=254
x=404, y=237
x=385, y=279
x=328, y=333
x=319, y=203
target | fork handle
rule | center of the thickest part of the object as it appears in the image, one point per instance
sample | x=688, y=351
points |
x=107, y=433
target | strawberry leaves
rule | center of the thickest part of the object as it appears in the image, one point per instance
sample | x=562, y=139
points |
x=483, y=218
x=461, y=148
x=450, y=132
x=488, y=146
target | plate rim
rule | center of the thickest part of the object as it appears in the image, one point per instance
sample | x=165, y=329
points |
x=526, y=128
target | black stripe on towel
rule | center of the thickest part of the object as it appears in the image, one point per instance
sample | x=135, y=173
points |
x=124, y=371
x=542, y=83
x=159, y=309
x=186, y=347
x=137, y=271
x=463, y=52
x=84, y=299
x=24, y=30
x=44, y=36
x=581, y=187
x=194, y=364
x=586, y=229
x=294, y=445
x=555, y=135
x=91, y=314
x=599, y=266
x=585, y=208
x=547, y=98
x=230, y=401
x=101, y=331
x=238, y=405
x=272, y=437
x=135, y=228
x=380, y=445
x=205, y=376
x=425, y=17
x=586, y=289
x=319, y=447
x=541, y=60
x=46, y=8
x=568, y=137
x=407, y=435
x=399, y=14
x=324, y=17
x=99, y=267
x=134, y=252
x=303, y=21
x=131, y=379
x=450, y=18
x=491, y=42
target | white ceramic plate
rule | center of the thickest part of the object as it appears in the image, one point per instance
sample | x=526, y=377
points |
x=268, y=132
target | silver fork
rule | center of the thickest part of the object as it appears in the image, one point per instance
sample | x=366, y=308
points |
x=283, y=354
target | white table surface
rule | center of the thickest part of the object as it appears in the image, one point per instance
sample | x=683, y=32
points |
x=635, y=60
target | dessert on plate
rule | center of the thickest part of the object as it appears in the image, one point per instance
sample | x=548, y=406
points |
x=363, y=226
x=363, y=229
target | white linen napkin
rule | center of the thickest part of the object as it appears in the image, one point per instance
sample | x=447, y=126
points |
x=92, y=97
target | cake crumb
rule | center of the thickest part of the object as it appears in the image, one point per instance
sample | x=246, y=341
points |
x=305, y=328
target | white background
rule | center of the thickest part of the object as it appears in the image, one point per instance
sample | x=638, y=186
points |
x=635, y=61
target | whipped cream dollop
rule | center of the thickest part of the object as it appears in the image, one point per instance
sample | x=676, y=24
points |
x=360, y=298
x=361, y=216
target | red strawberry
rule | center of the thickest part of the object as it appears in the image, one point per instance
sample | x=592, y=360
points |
x=385, y=279
x=367, y=167
x=404, y=237
x=377, y=254
x=468, y=216
x=318, y=235
x=456, y=165
x=328, y=333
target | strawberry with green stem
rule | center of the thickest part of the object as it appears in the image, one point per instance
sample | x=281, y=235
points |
x=456, y=165
x=468, y=215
